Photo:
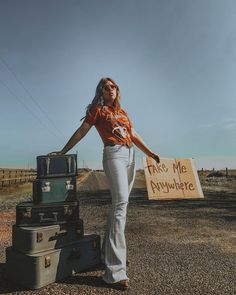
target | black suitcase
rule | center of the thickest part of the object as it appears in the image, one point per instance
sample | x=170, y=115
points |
x=38, y=270
x=56, y=166
x=30, y=214
x=31, y=240
x=54, y=190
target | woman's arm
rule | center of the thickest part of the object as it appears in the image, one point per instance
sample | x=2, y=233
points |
x=138, y=141
x=75, y=138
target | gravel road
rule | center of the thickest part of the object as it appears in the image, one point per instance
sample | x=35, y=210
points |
x=179, y=247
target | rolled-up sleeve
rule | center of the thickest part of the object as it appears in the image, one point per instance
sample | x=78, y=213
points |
x=92, y=115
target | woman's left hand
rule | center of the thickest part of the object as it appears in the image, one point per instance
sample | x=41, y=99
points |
x=156, y=157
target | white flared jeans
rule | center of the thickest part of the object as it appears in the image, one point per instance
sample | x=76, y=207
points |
x=119, y=167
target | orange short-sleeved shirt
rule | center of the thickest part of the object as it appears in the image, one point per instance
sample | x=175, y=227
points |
x=112, y=127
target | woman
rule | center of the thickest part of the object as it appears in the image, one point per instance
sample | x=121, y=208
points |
x=118, y=136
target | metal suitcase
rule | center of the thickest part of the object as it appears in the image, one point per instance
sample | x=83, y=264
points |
x=54, y=190
x=31, y=240
x=30, y=214
x=56, y=166
x=38, y=270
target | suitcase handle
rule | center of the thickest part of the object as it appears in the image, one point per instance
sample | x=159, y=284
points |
x=42, y=219
x=61, y=233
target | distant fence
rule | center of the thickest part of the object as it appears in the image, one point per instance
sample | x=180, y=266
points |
x=218, y=173
x=15, y=176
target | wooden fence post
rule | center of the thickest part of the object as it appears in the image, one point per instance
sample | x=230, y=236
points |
x=13, y=176
x=226, y=172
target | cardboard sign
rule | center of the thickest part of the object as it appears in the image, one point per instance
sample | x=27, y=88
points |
x=172, y=179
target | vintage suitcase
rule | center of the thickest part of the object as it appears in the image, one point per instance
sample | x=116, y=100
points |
x=38, y=270
x=31, y=240
x=30, y=214
x=56, y=166
x=54, y=190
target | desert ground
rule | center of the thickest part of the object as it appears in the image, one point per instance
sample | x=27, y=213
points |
x=180, y=247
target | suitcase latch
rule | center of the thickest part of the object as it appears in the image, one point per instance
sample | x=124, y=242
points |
x=47, y=261
x=76, y=253
x=67, y=210
x=39, y=237
x=27, y=212
x=94, y=244
x=46, y=187
x=78, y=231
x=69, y=186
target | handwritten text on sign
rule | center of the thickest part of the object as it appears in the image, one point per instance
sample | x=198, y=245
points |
x=172, y=178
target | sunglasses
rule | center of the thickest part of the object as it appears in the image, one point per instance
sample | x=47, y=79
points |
x=108, y=87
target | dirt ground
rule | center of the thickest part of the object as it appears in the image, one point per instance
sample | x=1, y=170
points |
x=180, y=247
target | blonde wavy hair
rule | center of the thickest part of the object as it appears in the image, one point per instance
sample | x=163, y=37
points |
x=98, y=99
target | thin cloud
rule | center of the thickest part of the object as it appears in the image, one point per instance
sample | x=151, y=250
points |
x=207, y=125
x=229, y=124
x=225, y=124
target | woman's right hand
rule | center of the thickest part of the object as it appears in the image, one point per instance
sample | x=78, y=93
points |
x=79, y=133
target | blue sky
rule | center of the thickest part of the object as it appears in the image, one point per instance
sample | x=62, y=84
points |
x=174, y=60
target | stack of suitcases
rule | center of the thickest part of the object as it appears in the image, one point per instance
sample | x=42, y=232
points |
x=48, y=241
